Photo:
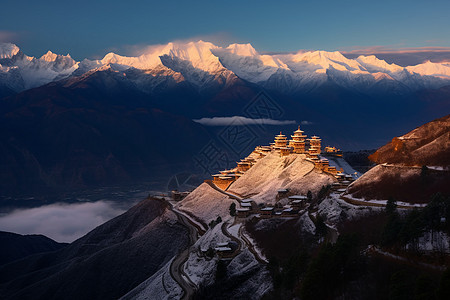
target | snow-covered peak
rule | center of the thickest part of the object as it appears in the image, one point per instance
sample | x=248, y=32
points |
x=201, y=63
x=373, y=64
x=49, y=56
x=112, y=58
x=319, y=56
x=145, y=61
x=242, y=49
x=272, y=61
x=320, y=61
x=380, y=76
x=431, y=69
x=244, y=61
x=33, y=72
x=198, y=53
x=191, y=50
x=8, y=50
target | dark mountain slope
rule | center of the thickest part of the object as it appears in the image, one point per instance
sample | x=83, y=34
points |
x=94, y=131
x=16, y=246
x=104, y=264
x=6, y=91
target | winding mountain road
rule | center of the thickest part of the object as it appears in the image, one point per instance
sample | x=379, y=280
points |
x=226, y=233
x=241, y=239
x=177, y=266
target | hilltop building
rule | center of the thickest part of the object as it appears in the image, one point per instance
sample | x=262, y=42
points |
x=333, y=151
x=226, y=178
x=314, y=146
x=297, y=145
x=298, y=141
x=280, y=141
x=245, y=164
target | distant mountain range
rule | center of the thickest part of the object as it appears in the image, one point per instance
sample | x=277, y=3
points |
x=203, y=64
x=67, y=123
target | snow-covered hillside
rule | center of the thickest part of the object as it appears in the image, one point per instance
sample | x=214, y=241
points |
x=273, y=172
x=411, y=168
x=203, y=63
x=206, y=203
x=30, y=71
x=425, y=145
x=261, y=182
x=160, y=286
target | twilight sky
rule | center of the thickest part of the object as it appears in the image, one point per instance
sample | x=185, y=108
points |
x=93, y=28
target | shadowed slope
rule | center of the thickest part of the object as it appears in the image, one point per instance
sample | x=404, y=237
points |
x=16, y=246
x=104, y=264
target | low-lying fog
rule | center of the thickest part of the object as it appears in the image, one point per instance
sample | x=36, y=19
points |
x=61, y=222
x=72, y=216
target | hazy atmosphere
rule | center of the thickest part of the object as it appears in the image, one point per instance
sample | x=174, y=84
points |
x=61, y=222
x=224, y=149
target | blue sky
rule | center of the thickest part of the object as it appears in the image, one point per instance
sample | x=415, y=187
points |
x=93, y=28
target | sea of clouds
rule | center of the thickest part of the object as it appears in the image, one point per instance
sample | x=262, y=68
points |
x=61, y=222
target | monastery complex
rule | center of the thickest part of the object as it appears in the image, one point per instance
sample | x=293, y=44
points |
x=298, y=144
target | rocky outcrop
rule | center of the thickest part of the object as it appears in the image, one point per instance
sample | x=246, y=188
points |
x=428, y=145
x=411, y=168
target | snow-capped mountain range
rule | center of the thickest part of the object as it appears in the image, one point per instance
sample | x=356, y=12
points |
x=20, y=72
x=202, y=63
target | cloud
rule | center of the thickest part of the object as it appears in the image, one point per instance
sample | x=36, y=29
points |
x=404, y=56
x=306, y=123
x=384, y=49
x=241, y=121
x=221, y=39
x=8, y=36
x=61, y=222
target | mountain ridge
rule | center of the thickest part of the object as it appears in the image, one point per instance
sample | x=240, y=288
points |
x=424, y=145
x=411, y=168
x=200, y=59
